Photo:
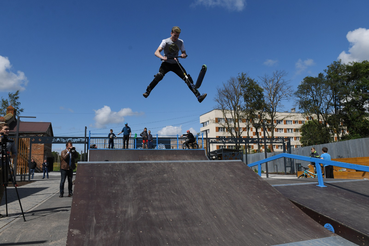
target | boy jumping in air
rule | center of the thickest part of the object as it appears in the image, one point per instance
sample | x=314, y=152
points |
x=171, y=47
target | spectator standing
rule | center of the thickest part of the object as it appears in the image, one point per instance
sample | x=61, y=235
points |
x=126, y=135
x=328, y=170
x=149, y=140
x=45, y=169
x=144, y=136
x=314, y=154
x=67, y=165
x=111, y=137
x=10, y=147
x=32, y=166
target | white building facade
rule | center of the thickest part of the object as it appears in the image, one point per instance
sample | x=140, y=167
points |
x=287, y=125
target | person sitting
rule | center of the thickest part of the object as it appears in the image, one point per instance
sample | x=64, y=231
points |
x=189, y=138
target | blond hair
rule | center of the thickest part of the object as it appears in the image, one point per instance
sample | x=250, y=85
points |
x=176, y=29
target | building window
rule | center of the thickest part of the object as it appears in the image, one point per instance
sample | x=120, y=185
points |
x=221, y=120
x=205, y=123
x=288, y=122
x=295, y=122
x=280, y=130
x=221, y=129
x=279, y=122
x=289, y=130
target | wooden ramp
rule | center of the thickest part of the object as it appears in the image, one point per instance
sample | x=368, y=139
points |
x=184, y=203
x=344, y=204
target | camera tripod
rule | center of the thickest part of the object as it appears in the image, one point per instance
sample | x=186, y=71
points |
x=8, y=172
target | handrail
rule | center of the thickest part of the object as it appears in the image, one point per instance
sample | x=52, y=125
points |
x=311, y=159
x=175, y=138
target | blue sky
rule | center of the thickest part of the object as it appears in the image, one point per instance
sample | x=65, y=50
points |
x=87, y=63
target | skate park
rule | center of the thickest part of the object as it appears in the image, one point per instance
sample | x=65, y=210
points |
x=179, y=197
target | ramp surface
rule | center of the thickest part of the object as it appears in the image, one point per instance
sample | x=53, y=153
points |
x=146, y=155
x=343, y=204
x=182, y=203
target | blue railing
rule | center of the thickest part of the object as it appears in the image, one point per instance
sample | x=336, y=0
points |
x=317, y=162
x=101, y=141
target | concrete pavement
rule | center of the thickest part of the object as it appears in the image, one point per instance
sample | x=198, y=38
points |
x=47, y=215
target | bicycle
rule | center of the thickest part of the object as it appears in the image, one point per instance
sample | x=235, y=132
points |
x=307, y=173
x=192, y=145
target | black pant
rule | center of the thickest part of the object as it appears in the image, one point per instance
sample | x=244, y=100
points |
x=329, y=172
x=125, y=139
x=165, y=67
x=188, y=141
x=64, y=175
x=111, y=143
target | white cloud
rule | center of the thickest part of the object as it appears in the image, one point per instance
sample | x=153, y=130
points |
x=174, y=131
x=359, y=42
x=233, y=5
x=105, y=116
x=270, y=62
x=303, y=65
x=69, y=109
x=170, y=131
x=10, y=81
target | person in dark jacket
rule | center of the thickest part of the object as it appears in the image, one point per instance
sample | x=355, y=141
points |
x=45, y=169
x=10, y=148
x=67, y=165
x=189, y=138
x=32, y=166
x=149, y=140
x=111, y=137
x=314, y=154
x=144, y=136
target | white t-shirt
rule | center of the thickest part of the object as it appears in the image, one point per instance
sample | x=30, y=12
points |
x=171, y=48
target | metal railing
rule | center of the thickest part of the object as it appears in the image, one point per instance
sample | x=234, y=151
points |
x=310, y=159
x=96, y=141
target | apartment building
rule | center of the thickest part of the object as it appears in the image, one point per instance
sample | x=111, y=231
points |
x=287, y=126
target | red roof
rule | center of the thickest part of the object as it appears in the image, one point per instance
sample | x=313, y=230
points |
x=34, y=127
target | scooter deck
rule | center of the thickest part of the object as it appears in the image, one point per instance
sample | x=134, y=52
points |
x=200, y=78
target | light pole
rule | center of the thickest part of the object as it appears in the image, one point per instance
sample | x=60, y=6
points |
x=17, y=142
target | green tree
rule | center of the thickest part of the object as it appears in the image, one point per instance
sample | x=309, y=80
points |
x=335, y=74
x=313, y=132
x=355, y=99
x=315, y=99
x=13, y=100
x=254, y=106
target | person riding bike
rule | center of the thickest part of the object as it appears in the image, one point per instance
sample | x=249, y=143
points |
x=189, y=138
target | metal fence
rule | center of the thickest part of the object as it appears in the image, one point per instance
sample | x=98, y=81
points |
x=95, y=140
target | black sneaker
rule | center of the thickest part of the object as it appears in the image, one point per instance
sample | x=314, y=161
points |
x=60, y=196
x=202, y=97
x=146, y=94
